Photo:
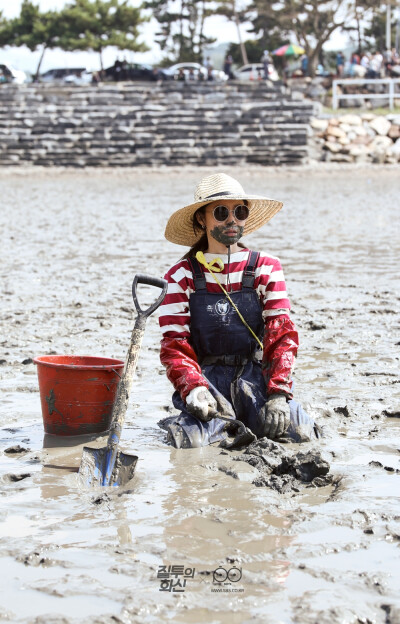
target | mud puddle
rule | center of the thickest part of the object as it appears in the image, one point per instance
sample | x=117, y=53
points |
x=72, y=242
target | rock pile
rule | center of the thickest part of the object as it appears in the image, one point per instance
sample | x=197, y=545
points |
x=358, y=138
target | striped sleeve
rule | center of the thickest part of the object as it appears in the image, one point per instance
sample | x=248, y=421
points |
x=174, y=315
x=271, y=287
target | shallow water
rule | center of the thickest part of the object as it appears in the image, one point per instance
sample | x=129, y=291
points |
x=72, y=242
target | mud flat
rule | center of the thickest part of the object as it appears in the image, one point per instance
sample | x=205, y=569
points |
x=71, y=244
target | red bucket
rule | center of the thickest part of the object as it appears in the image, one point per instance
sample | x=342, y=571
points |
x=77, y=392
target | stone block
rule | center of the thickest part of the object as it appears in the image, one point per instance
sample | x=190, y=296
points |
x=335, y=131
x=368, y=116
x=345, y=127
x=381, y=143
x=359, y=130
x=11, y=158
x=362, y=140
x=394, y=118
x=395, y=148
x=319, y=124
x=378, y=157
x=394, y=131
x=341, y=158
x=380, y=125
x=332, y=147
x=357, y=150
x=351, y=120
x=391, y=157
x=352, y=103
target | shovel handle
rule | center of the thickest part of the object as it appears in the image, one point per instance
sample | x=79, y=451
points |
x=149, y=281
x=238, y=423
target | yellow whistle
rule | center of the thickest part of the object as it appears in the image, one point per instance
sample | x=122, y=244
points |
x=215, y=266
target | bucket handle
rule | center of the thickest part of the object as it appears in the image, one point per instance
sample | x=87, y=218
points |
x=149, y=281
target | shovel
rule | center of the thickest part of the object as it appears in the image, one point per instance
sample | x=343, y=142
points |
x=243, y=436
x=108, y=465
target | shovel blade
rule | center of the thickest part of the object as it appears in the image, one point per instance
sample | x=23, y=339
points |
x=93, y=467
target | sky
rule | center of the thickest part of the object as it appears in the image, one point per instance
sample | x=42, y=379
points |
x=22, y=58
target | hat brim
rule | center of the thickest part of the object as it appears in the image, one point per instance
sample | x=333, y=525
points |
x=179, y=228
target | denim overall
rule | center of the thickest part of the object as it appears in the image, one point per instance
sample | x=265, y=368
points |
x=227, y=354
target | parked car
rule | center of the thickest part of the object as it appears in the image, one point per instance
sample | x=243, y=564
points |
x=194, y=71
x=86, y=77
x=134, y=71
x=8, y=73
x=255, y=71
x=71, y=75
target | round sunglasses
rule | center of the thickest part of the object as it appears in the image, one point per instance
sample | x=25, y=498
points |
x=221, y=213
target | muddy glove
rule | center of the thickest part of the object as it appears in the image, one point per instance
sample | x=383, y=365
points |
x=242, y=436
x=276, y=416
x=201, y=403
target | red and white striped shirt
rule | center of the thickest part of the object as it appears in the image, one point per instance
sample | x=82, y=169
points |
x=269, y=284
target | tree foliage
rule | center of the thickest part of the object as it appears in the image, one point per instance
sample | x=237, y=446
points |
x=81, y=25
x=97, y=24
x=181, y=28
x=375, y=34
x=310, y=22
x=35, y=29
x=6, y=37
x=255, y=49
x=236, y=12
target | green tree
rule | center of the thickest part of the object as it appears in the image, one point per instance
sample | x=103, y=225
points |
x=375, y=34
x=254, y=51
x=35, y=29
x=97, y=24
x=363, y=9
x=6, y=35
x=181, y=33
x=236, y=14
x=311, y=22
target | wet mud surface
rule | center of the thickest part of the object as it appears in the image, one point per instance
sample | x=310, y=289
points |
x=283, y=471
x=307, y=551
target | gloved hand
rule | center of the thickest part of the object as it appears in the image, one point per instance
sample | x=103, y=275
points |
x=276, y=416
x=242, y=436
x=200, y=402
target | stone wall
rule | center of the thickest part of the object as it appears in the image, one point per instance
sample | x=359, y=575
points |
x=151, y=124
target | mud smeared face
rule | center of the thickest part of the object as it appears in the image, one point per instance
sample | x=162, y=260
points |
x=227, y=233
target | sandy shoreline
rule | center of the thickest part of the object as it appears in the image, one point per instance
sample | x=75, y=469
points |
x=72, y=241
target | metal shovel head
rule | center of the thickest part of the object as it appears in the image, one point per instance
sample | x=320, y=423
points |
x=92, y=468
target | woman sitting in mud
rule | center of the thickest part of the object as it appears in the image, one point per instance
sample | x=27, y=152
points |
x=228, y=344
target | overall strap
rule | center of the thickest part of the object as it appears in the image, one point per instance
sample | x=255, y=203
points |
x=250, y=270
x=198, y=274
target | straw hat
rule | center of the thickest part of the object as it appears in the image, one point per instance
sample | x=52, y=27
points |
x=179, y=228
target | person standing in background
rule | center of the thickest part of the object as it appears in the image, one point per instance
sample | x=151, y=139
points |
x=340, y=60
x=228, y=66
